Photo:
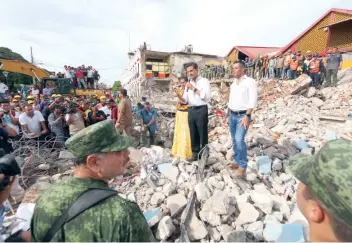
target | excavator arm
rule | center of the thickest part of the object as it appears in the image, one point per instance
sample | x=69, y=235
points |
x=23, y=68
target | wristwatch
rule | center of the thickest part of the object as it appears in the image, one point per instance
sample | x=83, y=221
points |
x=248, y=115
x=195, y=89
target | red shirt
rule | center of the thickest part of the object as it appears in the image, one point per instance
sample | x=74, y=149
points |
x=114, y=114
x=79, y=74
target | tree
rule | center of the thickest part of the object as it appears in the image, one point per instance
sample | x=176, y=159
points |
x=116, y=86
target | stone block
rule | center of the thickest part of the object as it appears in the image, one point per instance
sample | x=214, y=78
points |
x=176, y=203
x=165, y=228
x=248, y=214
x=202, y=191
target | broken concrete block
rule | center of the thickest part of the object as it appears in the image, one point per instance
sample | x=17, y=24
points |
x=171, y=172
x=168, y=189
x=165, y=228
x=195, y=228
x=256, y=229
x=279, y=216
x=219, y=203
x=202, y=191
x=262, y=201
x=214, y=234
x=271, y=219
x=212, y=218
x=176, y=203
x=283, y=233
x=157, y=198
x=248, y=214
x=224, y=229
x=235, y=236
x=311, y=92
x=264, y=163
x=276, y=165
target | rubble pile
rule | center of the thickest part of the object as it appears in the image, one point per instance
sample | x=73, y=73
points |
x=290, y=119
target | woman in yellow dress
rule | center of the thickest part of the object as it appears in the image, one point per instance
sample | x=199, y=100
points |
x=182, y=140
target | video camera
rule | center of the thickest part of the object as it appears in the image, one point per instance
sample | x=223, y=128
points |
x=9, y=167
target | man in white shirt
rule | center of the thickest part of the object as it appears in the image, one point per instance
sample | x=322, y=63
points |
x=33, y=123
x=242, y=101
x=10, y=118
x=197, y=95
x=67, y=72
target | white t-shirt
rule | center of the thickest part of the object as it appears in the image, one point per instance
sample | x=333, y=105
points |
x=90, y=73
x=107, y=112
x=77, y=123
x=68, y=74
x=35, y=91
x=33, y=123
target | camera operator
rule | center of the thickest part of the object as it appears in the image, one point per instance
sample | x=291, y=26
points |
x=10, y=168
x=10, y=118
x=95, y=115
x=58, y=124
x=74, y=119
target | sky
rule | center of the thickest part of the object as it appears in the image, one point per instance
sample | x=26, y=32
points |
x=101, y=32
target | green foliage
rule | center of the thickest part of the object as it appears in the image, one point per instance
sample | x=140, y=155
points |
x=13, y=80
x=7, y=53
x=116, y=86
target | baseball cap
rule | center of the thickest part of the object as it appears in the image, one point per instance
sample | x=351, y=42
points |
x=111, y=101
x=54, y=95
x=328, y=174
x=46, y=103
x=102, y=97
x=17, y=97
x=30, y=102
x=98, y=138
x=30, y=98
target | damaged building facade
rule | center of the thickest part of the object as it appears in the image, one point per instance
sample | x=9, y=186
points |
x=152, y=74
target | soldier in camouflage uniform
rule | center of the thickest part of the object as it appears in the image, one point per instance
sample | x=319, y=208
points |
x=101, y=154
x=324, y=195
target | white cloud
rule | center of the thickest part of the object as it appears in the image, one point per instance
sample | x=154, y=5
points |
x=96, y=32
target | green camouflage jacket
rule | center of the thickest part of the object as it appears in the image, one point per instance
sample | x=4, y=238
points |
x=113, y=220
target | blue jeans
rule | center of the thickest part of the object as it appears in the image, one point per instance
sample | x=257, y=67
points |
x=238, y=133
x=315, y=79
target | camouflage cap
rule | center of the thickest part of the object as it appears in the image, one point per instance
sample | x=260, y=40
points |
x=98, y=138
x=328, y=174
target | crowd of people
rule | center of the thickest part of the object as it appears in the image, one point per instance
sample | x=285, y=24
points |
x=83, y=77
x=39, y=116
x=289, y=66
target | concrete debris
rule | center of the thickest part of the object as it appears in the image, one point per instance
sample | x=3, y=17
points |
x=291, y=118
x=176, y=203
x=157, y=198
x=235, y=236
x=248, y=214
x=202, y=191
x=165, y=228
x=196, y=229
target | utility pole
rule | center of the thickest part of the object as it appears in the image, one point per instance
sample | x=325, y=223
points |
x=32, y=61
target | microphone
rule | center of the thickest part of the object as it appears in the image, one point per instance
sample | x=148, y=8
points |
x=189, y=80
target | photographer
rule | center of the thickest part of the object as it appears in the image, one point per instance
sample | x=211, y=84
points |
x=10, y=118
x=74, y=119
x=58, y=124
x=9, y=168
x=95, y=115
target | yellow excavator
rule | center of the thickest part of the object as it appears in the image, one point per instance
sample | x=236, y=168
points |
x=64, y=86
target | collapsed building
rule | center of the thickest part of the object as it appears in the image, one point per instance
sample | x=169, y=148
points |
x=152, y=74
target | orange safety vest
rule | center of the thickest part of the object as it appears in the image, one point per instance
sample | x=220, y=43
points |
x=293, y=65
x=265, y=62
x=314, y=66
